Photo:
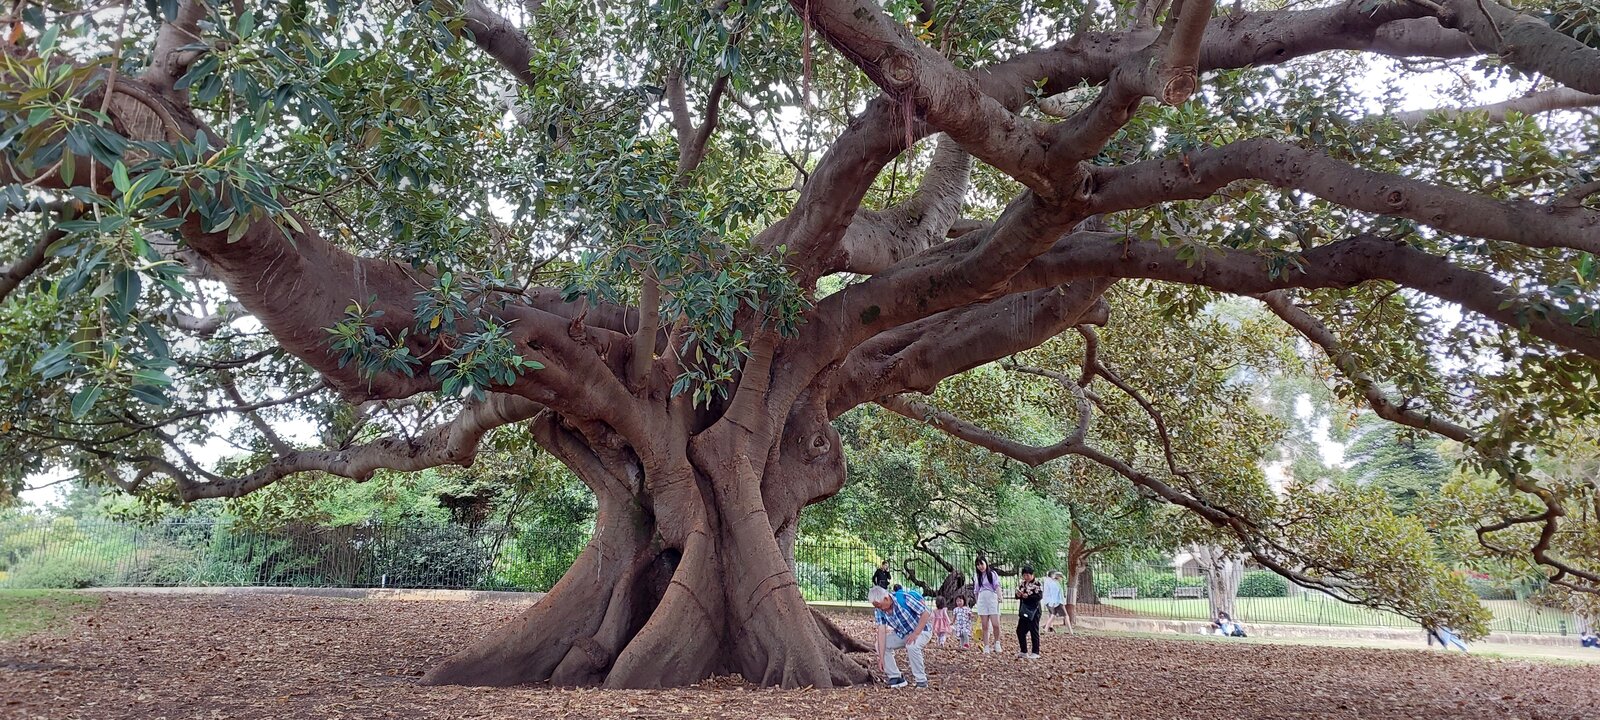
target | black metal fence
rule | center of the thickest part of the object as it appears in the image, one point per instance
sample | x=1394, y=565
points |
x=841, y=572
x=64, y=552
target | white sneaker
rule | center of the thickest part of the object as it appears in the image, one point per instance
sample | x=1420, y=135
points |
x=1023, y=656
x=1033, y=656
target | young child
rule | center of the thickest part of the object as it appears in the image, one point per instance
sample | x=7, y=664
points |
x=1031, y=594
x=941, y=621
x=963, y=622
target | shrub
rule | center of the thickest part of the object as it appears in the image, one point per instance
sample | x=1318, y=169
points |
x=430, y=556
x=255, y=558
x=163, y=565
x=535, y=560
x=1155, y=583
x=1490, y=590
x=842, y=566
x=79, y=565
x=816, y=583
x=1263, y=583
x=1105, y=581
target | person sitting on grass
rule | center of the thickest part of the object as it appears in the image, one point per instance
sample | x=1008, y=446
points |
x=1225, y=625
x=902, y=618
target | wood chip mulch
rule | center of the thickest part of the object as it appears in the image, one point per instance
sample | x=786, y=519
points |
x=153, y=657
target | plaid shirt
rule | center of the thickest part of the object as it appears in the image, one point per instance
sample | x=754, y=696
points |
x=903, y=617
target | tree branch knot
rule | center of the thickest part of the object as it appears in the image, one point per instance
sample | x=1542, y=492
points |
x=900, y=69
x=1180, y=85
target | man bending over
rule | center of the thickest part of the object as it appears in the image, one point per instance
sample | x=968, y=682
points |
x=902, y=618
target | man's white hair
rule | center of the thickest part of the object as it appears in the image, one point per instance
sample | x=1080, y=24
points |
x=876, y=595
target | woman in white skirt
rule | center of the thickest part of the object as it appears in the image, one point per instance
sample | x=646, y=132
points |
x=987, y=584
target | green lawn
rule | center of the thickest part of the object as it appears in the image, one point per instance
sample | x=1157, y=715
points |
x=26, y=611
x=1559, y=655
x=1509, y=615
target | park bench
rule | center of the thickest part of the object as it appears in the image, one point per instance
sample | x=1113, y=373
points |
x=1194, y=592
x=1125, y=593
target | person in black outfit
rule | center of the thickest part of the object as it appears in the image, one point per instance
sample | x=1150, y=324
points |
x=881, y=577
x=1030, y=593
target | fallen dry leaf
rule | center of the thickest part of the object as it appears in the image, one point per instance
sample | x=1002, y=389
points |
x=291, y=657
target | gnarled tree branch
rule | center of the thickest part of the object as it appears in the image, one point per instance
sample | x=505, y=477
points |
x=451, y=443
x=1534, y=103
x=1200, y=173
x=878, y=239
x=1525, y=42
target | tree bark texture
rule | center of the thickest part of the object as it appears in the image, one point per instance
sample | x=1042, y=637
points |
x=1222, y=570
x=677, y=585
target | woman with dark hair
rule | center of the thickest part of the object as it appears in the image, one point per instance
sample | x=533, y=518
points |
x=987, y=585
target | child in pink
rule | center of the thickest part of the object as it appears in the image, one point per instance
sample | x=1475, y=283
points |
x=941, y=621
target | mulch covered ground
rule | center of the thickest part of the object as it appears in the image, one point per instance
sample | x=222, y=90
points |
x=153, y=657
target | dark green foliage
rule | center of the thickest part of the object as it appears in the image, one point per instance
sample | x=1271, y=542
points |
x=1261, y=583
x=1407, y=467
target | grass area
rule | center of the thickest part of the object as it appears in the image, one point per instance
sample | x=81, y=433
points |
x=1509, y=615
x=27, y=611
x=1558, y=655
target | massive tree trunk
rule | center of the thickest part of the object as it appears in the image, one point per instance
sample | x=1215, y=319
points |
x=1083, y=589
x=1075, y=568
x=684, y=579
x=1080, y=576
x=1223, y=570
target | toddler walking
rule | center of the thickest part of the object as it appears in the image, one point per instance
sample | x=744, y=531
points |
x=963, y=622
x=941, y=620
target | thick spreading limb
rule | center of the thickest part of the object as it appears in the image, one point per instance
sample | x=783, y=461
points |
x=1525, y=42
x=501, y=40
x=169, y=60
x=917, y=356
x=833, y=193
x=1201, y=173
x=949, y=99
x=1341, y=264
x=1166, y=70
x=452, y=443
x=877, y=239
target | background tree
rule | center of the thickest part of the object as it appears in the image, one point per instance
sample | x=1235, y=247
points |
x=1408, y=467
x=374, y=234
